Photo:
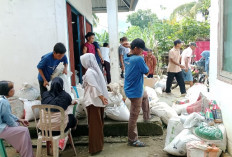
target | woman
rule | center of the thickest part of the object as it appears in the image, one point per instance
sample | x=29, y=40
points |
x=57, y=96
x=95, y=99
x=10, y=130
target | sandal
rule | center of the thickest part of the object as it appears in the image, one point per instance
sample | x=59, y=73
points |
x=137, y=144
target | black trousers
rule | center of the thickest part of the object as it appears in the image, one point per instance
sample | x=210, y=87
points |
x=150, y=76
x=107, y=68
x=42, y=88
x=179, y=79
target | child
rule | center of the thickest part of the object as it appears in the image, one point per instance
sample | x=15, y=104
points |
x=48, y=64
x=151, y=63
x=95, y=99
x=17, y=136
x=88, y=46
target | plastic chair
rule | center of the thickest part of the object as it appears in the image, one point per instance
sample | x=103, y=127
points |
x=2, y=149
x=45, y=133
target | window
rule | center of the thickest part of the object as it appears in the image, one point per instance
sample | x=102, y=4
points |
x=225, y=41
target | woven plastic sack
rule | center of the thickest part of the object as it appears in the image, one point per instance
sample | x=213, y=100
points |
x=163, y=110
x=28, y=92
x=118, y=113
x=192, y=120
x=29, y=115
x=152, y=96
x=208, y=132
x=174, y=128
x=178, y=146
x=17, y=106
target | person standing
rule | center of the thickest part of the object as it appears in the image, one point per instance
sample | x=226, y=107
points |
x=99, y=59
x=174, y=68
x=48, y=64
x=135, y=68
x=150, y=60
x=106, y=57
x=186, y=58
x=95, y=100
x=123, y=51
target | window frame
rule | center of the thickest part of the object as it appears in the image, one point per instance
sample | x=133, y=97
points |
x=222, y=75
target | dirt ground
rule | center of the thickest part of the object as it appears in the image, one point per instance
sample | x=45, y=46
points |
x=112, y=148
x=115, y=147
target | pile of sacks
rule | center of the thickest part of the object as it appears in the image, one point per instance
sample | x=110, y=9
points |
x=199, y=130
x=26, y=97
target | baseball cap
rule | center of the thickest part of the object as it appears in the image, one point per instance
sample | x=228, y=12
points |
x=193, y=44
x=178, y=41
x=138, y=43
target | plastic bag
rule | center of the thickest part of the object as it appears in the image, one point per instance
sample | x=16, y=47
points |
x=151, y=94
x=193, y=120
x=28, y=110
x=114, y=99
x=174, y=128
x=62, y=143
x=208, y=132
x=28, y=92
x=163, y=110
x=118, y=113
x=202, y=149
x=178, y=145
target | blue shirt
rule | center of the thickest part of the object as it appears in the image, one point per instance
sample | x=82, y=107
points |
x=48, y=64
x=6, y=117
x=135, y=68
x=96, y=53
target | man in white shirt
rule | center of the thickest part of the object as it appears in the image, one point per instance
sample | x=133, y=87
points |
x=186, y=58
x=106, y=57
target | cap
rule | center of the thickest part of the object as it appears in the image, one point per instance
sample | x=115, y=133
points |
x=178, y=41
x=138, y=43
x=193, y=44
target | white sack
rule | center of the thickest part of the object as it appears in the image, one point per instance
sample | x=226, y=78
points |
x=118, y=113
x=151, y=94
x=28, y=92
x=28, y=110
x=193, y=120
x=174, y=128
x=164, y=111
x=178, y=145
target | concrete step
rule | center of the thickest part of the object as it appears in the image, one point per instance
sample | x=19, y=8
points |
x=114, y=128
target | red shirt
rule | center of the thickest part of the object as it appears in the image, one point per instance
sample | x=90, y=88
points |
x=90, y=48
x=151, y=63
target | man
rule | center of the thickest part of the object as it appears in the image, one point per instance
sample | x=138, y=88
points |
x=186, y=58
x=48, y=64
x=106, y=57
x=135, y=68
x=122, y=52
x=174, y=68
x=150, y=60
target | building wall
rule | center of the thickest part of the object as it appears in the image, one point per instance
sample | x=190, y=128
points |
x=221, y=90
x=84, y=7
x=30, y=29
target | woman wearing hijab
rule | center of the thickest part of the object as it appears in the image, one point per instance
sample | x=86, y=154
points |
x=10, y=131
x=95, y=99
x=57, y=96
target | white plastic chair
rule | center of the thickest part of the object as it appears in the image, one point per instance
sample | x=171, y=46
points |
x=45, y=133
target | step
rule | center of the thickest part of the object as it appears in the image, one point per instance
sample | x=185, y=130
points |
x=114, y=128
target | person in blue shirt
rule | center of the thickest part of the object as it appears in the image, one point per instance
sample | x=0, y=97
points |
x=48, y=64
x=135, y=68
x=10, y=131
x=98, y=55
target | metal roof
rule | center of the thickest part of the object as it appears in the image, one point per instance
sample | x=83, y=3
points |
x=99, y=6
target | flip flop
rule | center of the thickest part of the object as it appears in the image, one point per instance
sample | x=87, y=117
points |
x=137, y=144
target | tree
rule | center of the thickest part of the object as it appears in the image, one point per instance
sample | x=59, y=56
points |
x=95, y=20
x=102, y=38
x=191, y=9
x=142, y=18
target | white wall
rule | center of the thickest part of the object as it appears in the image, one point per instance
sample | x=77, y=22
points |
x=28, y=30
x=222, y=91
x=84, y=7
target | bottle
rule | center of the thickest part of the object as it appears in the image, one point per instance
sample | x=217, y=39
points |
x=209, y=116
x=217, y=114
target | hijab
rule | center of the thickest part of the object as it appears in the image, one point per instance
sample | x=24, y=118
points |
x=93, y=75
x=57, y=95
